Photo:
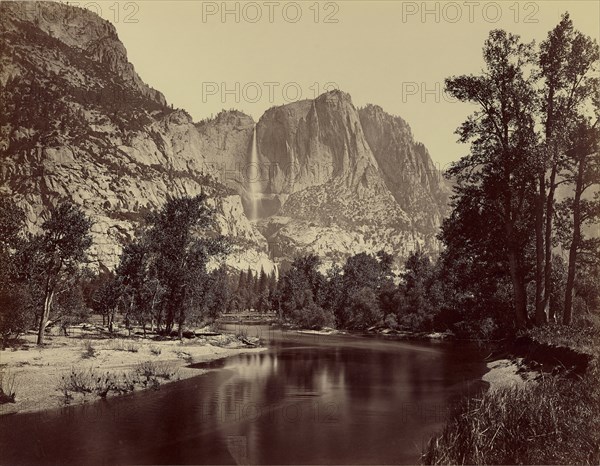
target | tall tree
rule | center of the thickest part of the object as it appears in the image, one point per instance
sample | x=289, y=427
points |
x=182, y=248
x=57, y=252
x=14, y=298
x=498, y=174
x=566, y=65
x=585, y=173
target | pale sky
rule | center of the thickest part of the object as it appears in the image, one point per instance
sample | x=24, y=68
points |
x=392, y=53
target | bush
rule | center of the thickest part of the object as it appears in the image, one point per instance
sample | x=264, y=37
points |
x=152, y=369
x=483, y=329
x=364, y=308
x=390, y=321
x=7, y=387
x=416, y=321
x=15, y=318
x=313, y=317
x=582, y=335
x=88, y=381
x=88, y=350
x=78, y=381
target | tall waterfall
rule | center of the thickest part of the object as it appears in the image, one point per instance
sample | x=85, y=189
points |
x=253, y=174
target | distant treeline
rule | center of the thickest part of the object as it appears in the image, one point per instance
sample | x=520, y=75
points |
x=163, y=281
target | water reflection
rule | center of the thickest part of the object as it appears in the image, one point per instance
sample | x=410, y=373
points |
x=308, y=400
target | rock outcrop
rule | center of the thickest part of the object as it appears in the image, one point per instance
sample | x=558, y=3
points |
x=85, y=30
x=348, y=180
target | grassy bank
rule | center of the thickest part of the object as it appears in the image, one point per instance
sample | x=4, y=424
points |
x=555, y=420
x=74, y=370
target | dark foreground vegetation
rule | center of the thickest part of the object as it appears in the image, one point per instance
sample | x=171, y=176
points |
x=536, y=129
x=554, y=420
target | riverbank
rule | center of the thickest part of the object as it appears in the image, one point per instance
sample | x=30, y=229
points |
x=508, y=373
x=549, y=418
x=75, y=370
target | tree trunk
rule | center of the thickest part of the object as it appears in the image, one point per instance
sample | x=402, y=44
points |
x=548, y=243
x=568, y=311
x=519, y=292
x=45, y=316
x=540, y=314
x=180, y=322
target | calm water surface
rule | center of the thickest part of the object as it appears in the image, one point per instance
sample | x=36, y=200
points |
x=307, y=400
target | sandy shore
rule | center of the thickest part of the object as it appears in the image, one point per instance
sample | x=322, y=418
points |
x=505, y=373
x=37, y=371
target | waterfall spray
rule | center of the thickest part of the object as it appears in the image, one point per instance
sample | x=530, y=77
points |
x=253, y=180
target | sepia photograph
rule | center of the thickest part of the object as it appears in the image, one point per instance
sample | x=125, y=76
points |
x=312, y=232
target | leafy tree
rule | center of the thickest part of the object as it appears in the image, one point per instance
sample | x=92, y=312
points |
x=585, y=174
x=15, y=315
x=139, y=291
x=105, y=299
x=419, y=294
x=15, y=300
x=220, y=293
x=365, y=276
x=302, y=291
x=496, y=178
x=567, y=62
x=181, y=251
x=364, y=308
x=12, y=224
x=335, y=297
x=56, y=254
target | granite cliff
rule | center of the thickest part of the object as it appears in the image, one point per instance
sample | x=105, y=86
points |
x=78, y=122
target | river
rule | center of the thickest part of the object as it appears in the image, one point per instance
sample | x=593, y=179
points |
x=308, y=399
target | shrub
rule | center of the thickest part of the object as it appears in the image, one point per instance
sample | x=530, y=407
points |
x=7, y=387
x=155, y=350
x=416, y=321
x=390, y=321
x=77, y=381
x=241, y=333
x=88, y=381
x=364, y=308
x=124, y=345
x=313, y=317
x=15, y=317
x=484, y=329
x=88, y=350
x=152, y=369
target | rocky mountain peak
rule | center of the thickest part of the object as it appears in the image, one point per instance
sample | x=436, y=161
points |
x=83, y=29
x=77, y=122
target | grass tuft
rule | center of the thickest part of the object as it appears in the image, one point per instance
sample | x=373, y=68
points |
x=7, y=387
x=553, y=421
x=124, y=345
x=89, y=351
